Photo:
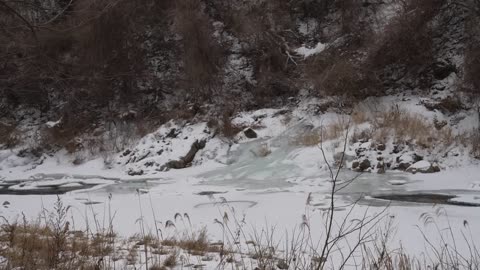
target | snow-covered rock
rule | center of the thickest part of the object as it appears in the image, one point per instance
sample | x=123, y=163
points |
x=423, y=166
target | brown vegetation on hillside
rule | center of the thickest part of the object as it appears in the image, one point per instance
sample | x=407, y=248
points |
x=95, y=64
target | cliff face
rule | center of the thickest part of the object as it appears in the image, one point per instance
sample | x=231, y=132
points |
x=118, y=68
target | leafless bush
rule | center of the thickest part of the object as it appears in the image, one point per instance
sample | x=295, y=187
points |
x=66, y=134
x=408, y=39
x=474, y=141
x=8, y=134
x=343, y=77
x=262, y=25
x=472, y=57
x=353, y=20
x=447, y=105
x=84, y=55
x=202, y=54
x=472, y=68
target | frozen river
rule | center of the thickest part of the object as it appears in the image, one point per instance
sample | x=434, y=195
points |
x=278, y=191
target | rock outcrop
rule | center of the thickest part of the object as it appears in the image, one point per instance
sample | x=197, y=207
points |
x=186, y=161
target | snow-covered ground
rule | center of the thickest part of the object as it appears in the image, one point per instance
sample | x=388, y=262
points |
x=268, y=180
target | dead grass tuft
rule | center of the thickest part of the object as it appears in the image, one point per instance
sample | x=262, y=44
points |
x=52, y=245
x=196, y=244
x=408, y=127
x=316, y=136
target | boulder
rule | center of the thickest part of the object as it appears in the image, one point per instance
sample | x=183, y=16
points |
x=423, y=167
x=398, y=148
x=359, y=151
x=380, y=167
x=435, y=167
x=250, y=133
x=364, y=165
x=172, y=134
x=416, y=157
x=443, y=69
x=403, y=166
x=133, y=172
x=381, y=147
x=355, y=164
x=405, y=161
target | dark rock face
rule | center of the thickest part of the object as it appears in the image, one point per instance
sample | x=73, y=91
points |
x=442, y=69
x=250, y=133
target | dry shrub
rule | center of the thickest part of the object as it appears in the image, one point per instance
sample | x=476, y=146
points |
x=316, y=136
x=472, y=139
x=337, y=128
x=449, y=105
x=157, y=266
x=262, y=25
x=353, y=20
x=66, y=133
x=202, y=55
x=81, y=58
x=245, y=21
x=472, y=52
x=31, y=245
x=252, y=19
x=310, y=138
x=227, y=128
x=8, y=134
x=196, y=244
x=332, y=74
x=271, y=71
x=408, y=39
x=475, y=143
x=359, y=116
x=409, y=127
x=171, y=260
x=472, y=69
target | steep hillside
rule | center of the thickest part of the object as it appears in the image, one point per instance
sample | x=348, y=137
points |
x=96, y=76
